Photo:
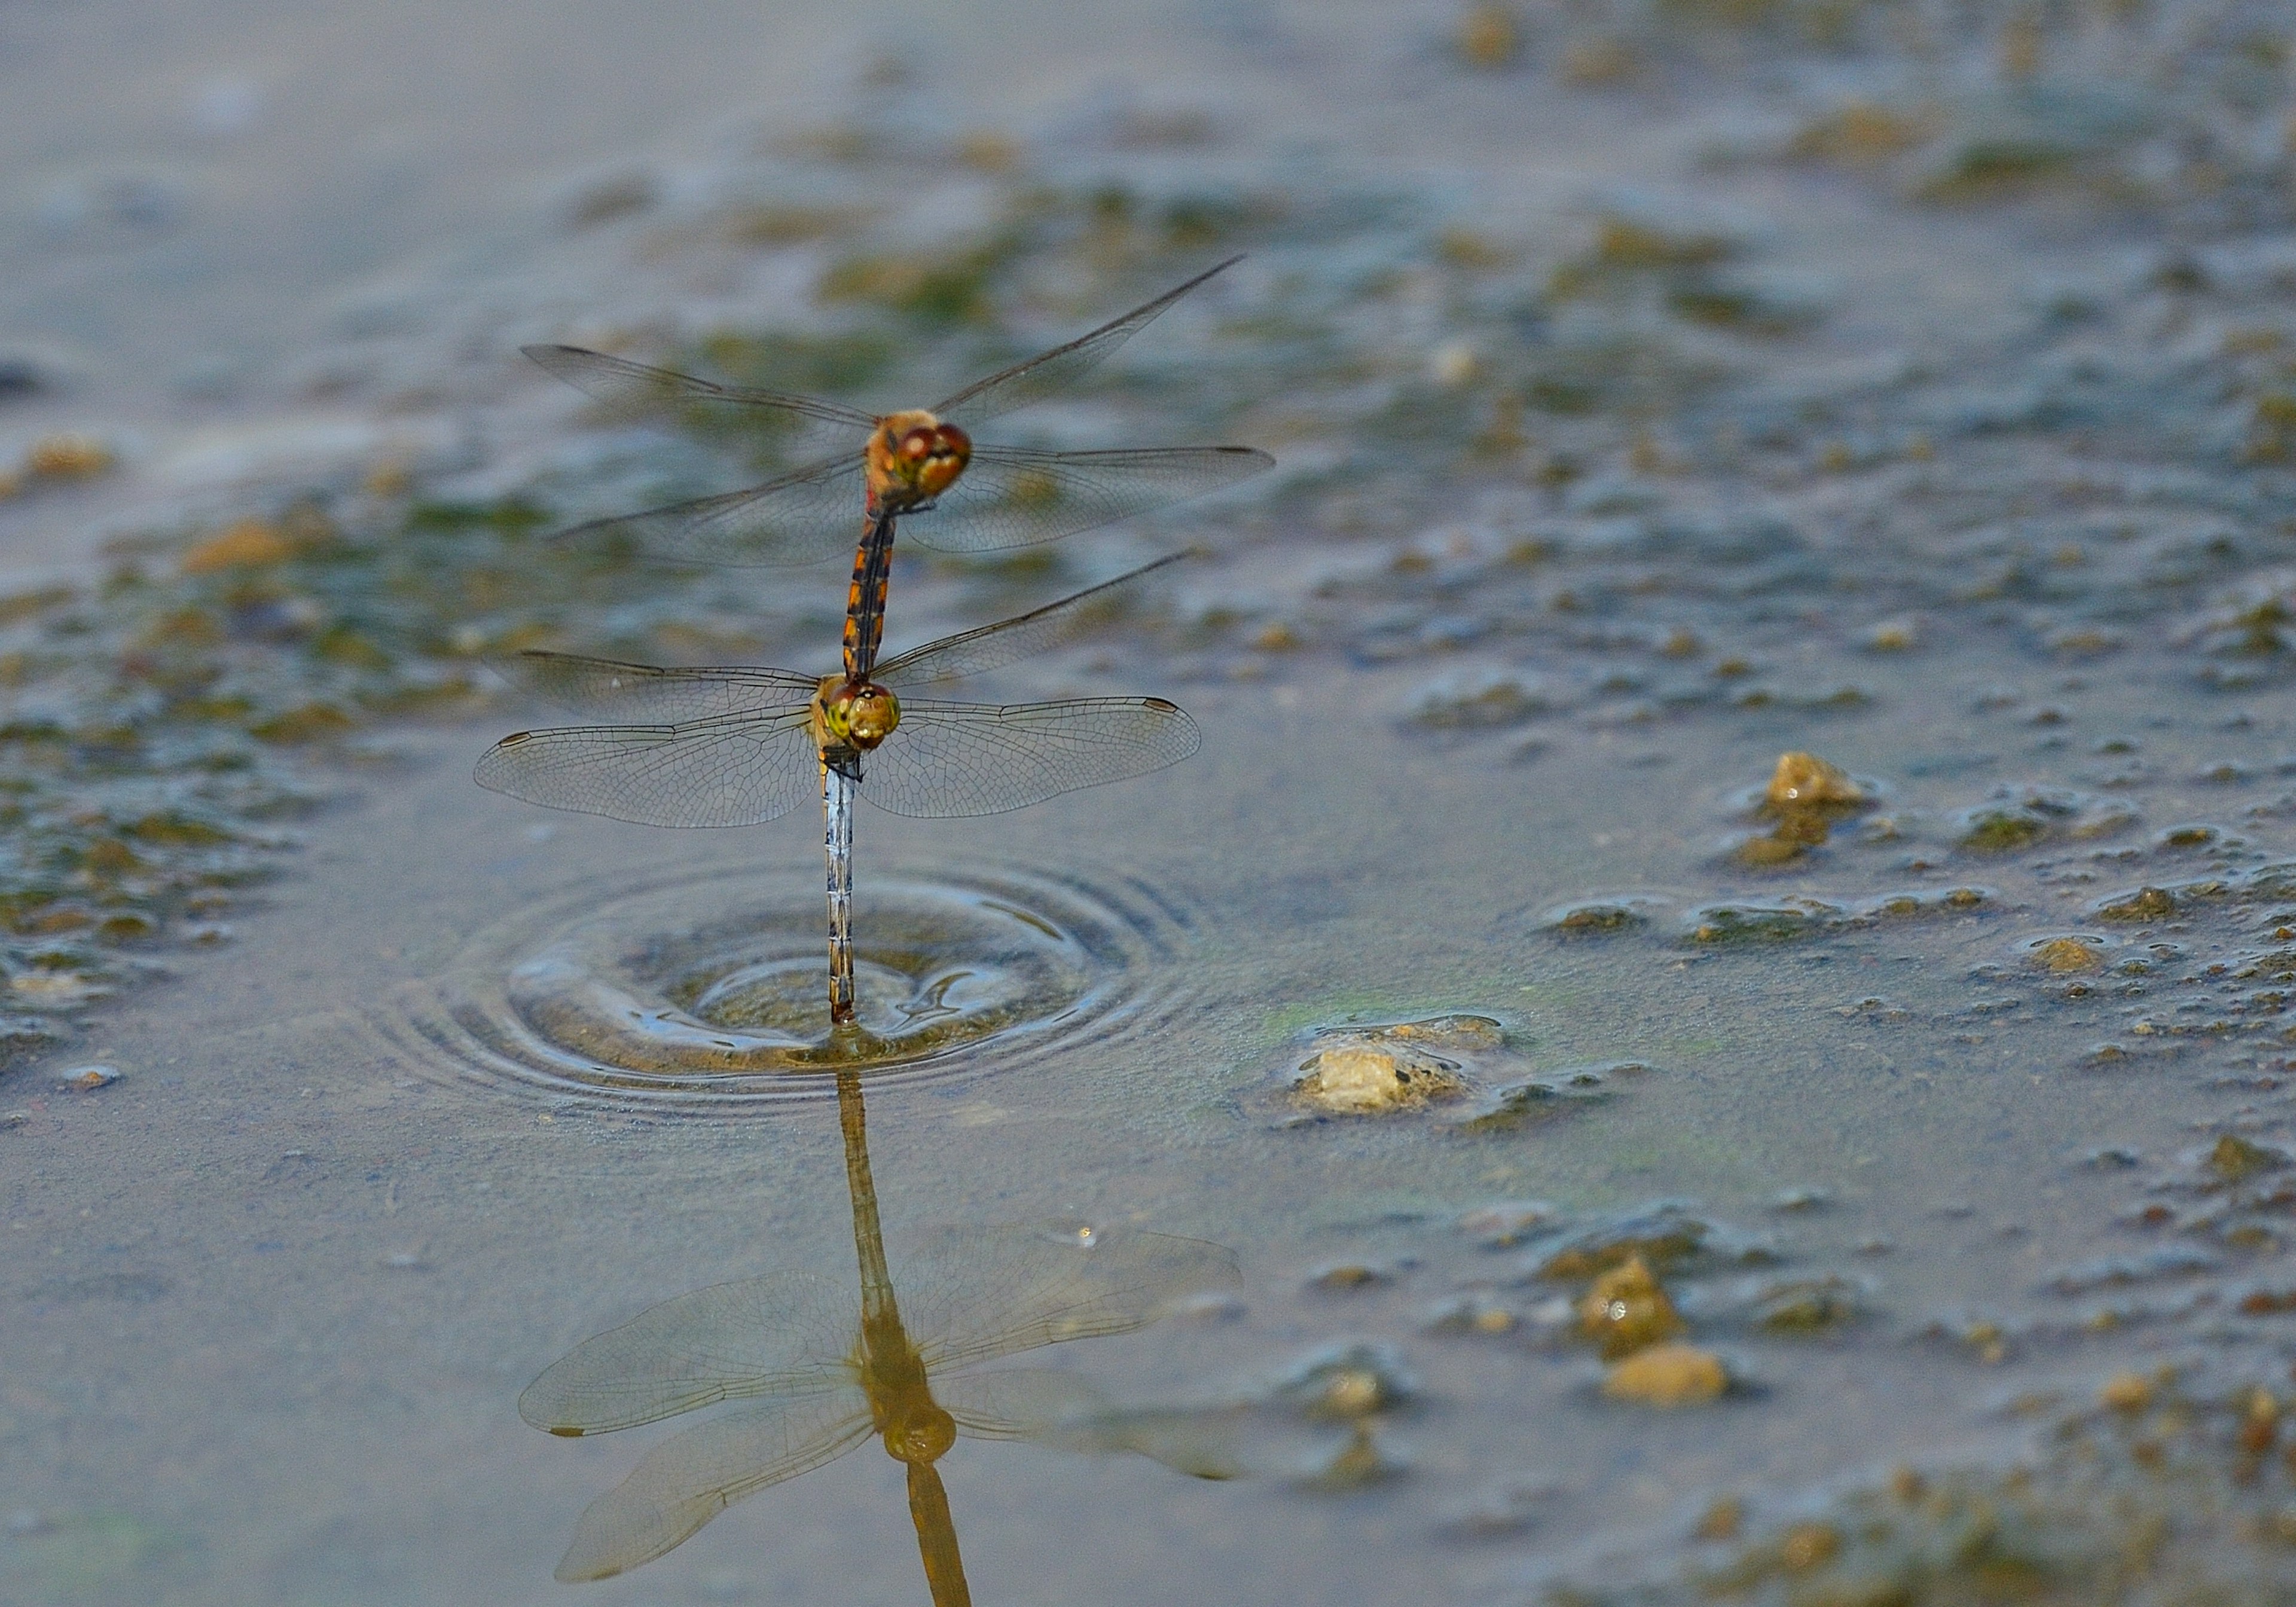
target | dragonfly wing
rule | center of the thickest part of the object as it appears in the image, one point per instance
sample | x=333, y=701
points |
x=689, y=1478
x=1017, y=1402
x=801, y=517
x=1055, y=370
x=950, y=759
x=735, y=771
x=621, y=384
x=644, y=692
x=787, y=1334
x=982, y=1292
x=1018, y=496
x=1038, y=631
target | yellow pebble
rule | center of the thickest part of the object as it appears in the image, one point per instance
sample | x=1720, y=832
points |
x=1668, y=1375
x=247, y=545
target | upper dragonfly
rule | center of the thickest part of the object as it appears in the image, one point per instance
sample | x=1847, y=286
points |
x=916, y=461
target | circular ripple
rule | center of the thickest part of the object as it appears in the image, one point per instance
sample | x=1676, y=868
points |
x=709, y=990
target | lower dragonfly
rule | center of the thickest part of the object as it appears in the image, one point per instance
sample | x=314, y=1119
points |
x=733, y=746
x=828, y=1371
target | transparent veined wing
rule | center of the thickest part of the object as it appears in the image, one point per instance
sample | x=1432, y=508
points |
x=1040, y=630
x=801, y=517
x=621, y=384
x=950, y=759
x=1018, y=496
x=646, y=692
x=1015, y=1403
x=1048, y=373
x=736, y=771
x=975, y=1294
x=689, y=1478
x=784, y=1334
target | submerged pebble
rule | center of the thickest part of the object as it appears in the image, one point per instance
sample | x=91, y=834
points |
x=87, y=1079
x=1668, y=1375
x=1377, y=1071
x=1625, y=1310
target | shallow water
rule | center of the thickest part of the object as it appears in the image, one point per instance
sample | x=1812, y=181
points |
x=1654, y=393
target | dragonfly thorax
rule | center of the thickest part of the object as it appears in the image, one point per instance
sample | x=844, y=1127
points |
x=849, y=716
x=912, y=458
x=922, y=1432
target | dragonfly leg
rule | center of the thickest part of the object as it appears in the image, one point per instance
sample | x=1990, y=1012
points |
x=837, y=817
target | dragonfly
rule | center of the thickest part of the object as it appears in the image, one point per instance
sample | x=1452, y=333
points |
x=916, y=464
x=737, y=746
x=822, y=1371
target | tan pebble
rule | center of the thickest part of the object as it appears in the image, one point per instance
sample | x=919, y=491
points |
x=1627, y=1311
x=67, y=457
x=87, y=1079
x=1722, y=1520
x=1489, y=37
x=1278, y=637
x=1803, y=781
x=247, y=545
x=1808, y=1545
x=2126, y=1392
x=2065, y=955
x=1668, y=1375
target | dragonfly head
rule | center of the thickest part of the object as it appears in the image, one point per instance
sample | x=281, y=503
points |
x=913, y=458
x=854, y=716
x=922, y=1434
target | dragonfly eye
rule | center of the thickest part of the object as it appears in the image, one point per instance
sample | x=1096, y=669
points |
x=917, y=445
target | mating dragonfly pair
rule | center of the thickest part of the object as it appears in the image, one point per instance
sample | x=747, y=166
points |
x=737, y=746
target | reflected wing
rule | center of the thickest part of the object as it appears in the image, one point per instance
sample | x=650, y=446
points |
x=626, y=384
x=1018, y=496
x=641, y=692
x=691, y=1478
x=735, y=771
x=801, y=517
x=1055, y=370
x=1020, y=1403
x=1206, y=1442
x=950, y=759
x=787, y=1334
x=1038, y=631
x=982, y=1292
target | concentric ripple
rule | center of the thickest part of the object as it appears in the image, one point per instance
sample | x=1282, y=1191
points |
x=709, y=989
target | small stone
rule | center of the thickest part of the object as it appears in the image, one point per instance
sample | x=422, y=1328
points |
x=1722, y=1520
x=14, y=1118
x=1627, y=1311
x=2126, y=1392
x=2145, y=903
x=2233, y=1157
x=1803, y=781
x=67, y=457
x=1808, y=1545
x=87, y=1079
x=1363, y=1079
x=1668, y=1375
x=2067, y=955
x=1350, y=1275
x=251, y=544
x=1489, y=37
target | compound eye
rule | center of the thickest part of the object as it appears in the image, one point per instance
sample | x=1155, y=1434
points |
x=916, y=443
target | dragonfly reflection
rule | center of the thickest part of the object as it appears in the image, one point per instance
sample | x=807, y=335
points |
x=731, y=746
x=904, y=465
x=827, y=1371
